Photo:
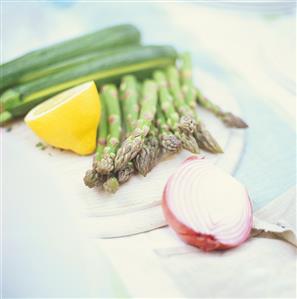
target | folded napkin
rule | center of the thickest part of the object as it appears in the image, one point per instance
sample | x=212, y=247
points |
x=278, y=218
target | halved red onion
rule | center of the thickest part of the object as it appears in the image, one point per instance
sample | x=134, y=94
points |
x=206, y=206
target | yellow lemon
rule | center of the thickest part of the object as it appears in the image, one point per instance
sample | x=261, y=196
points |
x=69, y=120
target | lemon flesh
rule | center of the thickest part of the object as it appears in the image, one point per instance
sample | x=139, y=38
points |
x=69, y=120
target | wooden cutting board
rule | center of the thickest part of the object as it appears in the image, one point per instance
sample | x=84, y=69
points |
x=135, y=208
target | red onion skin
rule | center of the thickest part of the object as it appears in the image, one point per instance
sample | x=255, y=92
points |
x=203, y=241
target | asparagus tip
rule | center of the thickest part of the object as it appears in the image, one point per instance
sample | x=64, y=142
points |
x=129, y=149
x=171, y=143
x=91, y=178
x=189, y=143
x=142, y=161
x=233, y=121
x=105, y=165
x=206, y=141
x=187, y=124
x=125, y=174
x=111, y=185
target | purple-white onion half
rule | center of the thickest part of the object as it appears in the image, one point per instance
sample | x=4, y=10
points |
x=206, y=206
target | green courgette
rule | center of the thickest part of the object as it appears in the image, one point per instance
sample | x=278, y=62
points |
x=69, y=63
x=13, y=72
x=139, y=60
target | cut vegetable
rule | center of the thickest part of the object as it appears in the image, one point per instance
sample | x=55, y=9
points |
x=68, y=120
x=207, y=207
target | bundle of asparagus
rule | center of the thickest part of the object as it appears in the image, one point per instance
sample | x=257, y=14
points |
x=159, y=117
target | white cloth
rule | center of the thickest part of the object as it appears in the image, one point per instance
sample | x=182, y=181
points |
x=158, y=265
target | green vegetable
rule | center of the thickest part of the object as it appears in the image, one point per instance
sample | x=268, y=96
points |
x=129, y=102
x=172, y=118
x=188, y=89
x=92, y=178
x=203, y=137
x=129, y=96
x=71, y=62
x=147, y=157
x=169, y=141
x=142, y=160
x=228, y=118
x=187, y=121
x=102, y=132
x=134, y=142
x=125, y=173
x=33, y=64
x=111, y=185
x=166, y=101
x=142, y=60
x=111, y=101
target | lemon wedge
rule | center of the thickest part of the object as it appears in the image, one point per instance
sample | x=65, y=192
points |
x=69, y=120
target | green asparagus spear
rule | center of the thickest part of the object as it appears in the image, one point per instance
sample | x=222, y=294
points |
x=142, y=160
x=147, y=157
x=133, y=143
x=92, y=178
x=166, y=100
x=154, y=143
x=172, y=118
x=110, y=97
x=202, y=136
x=129, y=95
x=102, y=133
x=228, y=118
x=188, y=89
x=187, y=121
x=169, y=141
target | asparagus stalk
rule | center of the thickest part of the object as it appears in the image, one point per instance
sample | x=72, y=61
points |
x=203, y=137
x=129, y=94
x=105, y=164
x=134, y=142
x=142, y=160
x=155, y=146
x=146, y=159
x=228, y=118
x=169, y=141
x=102, y=133
x=147, y=156
x=92, y=178
x=187, y=121
x=172, y=118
